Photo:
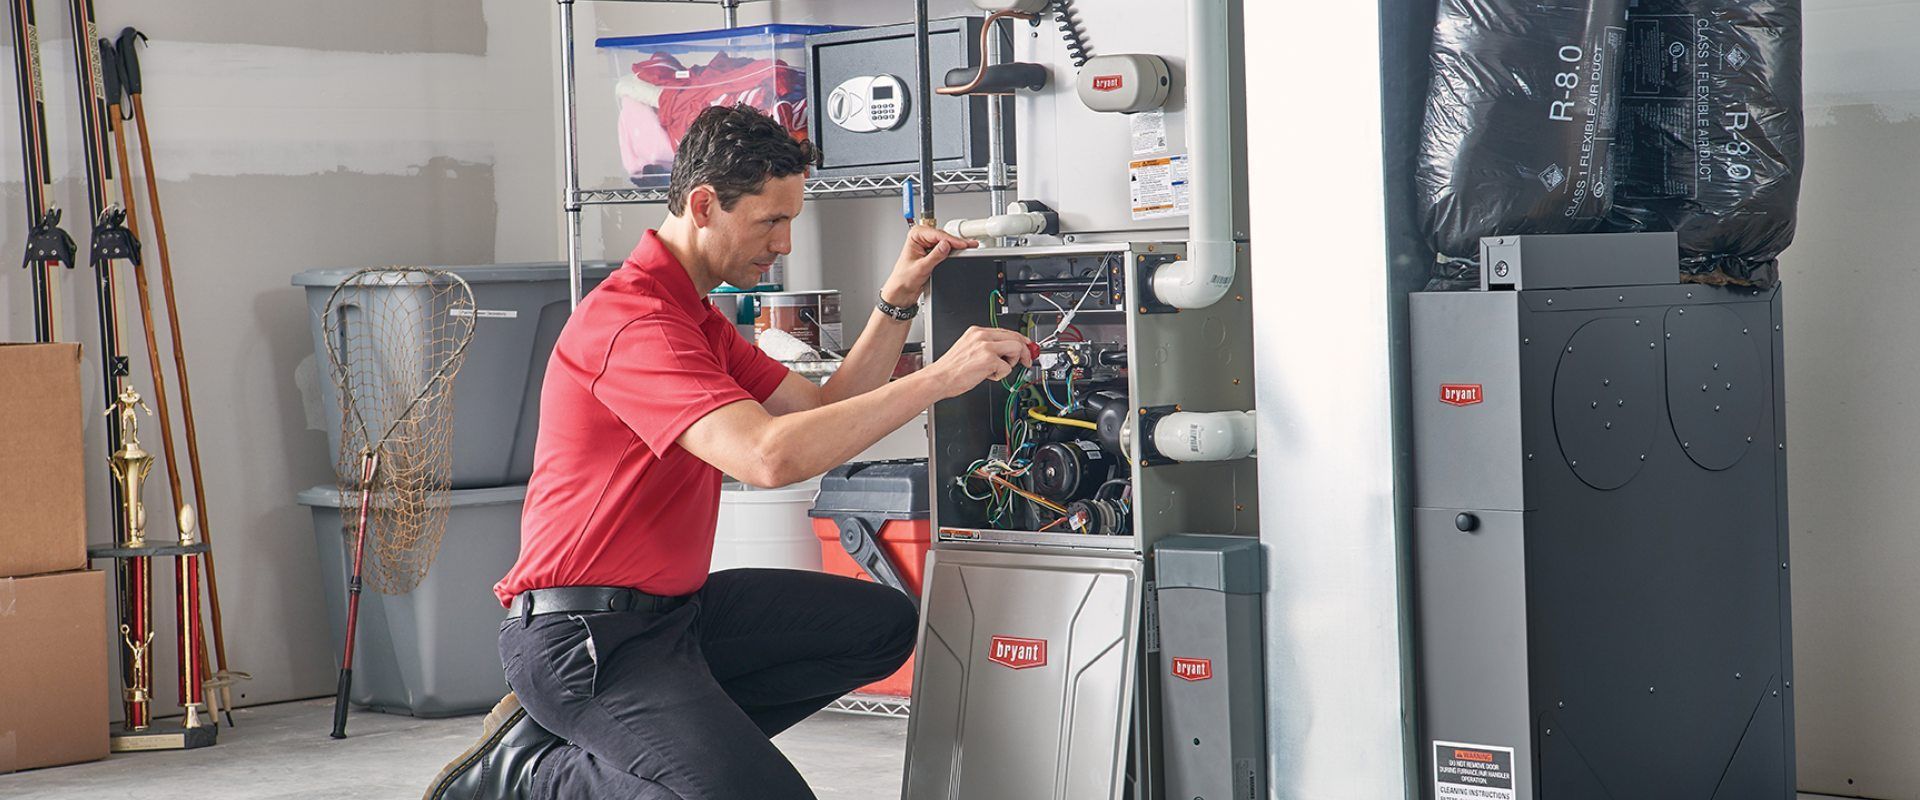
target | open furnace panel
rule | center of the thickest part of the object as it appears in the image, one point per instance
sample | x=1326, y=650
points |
x=1049, y=493
x=1059, y=455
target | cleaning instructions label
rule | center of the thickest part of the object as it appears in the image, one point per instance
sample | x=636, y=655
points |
x=1149, y=132
x=1162, y=187
x=1472, y=772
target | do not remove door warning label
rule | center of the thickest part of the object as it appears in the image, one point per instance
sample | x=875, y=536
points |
x=1472, y=772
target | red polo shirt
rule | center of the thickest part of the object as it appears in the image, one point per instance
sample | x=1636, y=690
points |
x=614, y=501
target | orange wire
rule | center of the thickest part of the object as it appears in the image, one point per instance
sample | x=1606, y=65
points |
x=1036, y=499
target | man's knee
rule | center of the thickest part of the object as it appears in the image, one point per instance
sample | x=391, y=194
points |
x=901, y=619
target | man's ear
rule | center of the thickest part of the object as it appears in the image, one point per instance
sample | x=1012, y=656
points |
x=702, y=204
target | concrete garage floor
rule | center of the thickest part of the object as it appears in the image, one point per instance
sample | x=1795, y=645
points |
x=281, y=752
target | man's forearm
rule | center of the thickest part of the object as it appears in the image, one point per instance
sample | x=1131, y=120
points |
x=804, y=444
x=871, y=361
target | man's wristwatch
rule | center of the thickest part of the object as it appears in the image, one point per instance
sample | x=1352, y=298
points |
x=902, y=313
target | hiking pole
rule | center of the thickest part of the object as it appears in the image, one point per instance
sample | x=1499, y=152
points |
x=224, y=678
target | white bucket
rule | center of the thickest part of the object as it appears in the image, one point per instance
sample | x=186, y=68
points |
x=812, y=317
x=766, y=528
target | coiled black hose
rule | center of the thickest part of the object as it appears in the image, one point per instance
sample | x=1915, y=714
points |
x=1074, y=32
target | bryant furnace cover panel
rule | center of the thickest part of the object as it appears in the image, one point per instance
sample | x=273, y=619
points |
x=1600, y=545
x=1027, y=659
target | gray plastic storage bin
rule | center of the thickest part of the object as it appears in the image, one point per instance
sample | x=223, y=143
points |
x=434, y=651
x=496, y=395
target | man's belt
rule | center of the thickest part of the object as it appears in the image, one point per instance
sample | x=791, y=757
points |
x=588, y=599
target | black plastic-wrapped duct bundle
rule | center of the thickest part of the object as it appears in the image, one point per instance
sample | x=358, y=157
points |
x=1711, y=125
x=1520, y=122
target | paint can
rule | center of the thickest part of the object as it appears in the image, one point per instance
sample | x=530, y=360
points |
x=812, y=317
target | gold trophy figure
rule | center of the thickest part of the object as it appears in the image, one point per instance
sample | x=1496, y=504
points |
x=140, y=693
x=131, y=464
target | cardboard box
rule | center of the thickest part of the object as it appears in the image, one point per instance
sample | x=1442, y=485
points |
x=43, y=518
x=53, y=670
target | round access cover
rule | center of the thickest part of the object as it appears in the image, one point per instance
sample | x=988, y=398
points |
x=1606, y=400
x=1715, y=385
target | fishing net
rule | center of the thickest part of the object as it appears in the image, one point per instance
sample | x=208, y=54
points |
x=396, y=337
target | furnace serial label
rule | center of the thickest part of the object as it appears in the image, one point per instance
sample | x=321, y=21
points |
x=1472, y=772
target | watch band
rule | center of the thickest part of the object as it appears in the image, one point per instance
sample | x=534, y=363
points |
x=902, y=313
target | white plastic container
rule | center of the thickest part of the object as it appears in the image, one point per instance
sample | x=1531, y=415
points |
x=766, y=528
x=662, y=82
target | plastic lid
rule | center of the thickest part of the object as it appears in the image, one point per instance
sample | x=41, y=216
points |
x=1229, y=564
x=721, y=34
x=893, y=489
x=529, y=272
x=329, y=496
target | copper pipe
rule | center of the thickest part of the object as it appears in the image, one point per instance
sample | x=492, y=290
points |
x=986, y=33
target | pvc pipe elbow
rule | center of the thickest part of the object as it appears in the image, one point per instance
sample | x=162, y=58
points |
x=1199, y=280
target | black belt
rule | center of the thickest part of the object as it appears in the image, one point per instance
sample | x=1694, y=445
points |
x=588, y=599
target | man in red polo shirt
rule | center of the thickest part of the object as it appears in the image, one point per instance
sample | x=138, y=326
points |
x=655, y=679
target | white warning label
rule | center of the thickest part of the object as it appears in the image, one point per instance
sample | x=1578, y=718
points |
x=1149, y=129
x=1161, y=187
x=1472, y=772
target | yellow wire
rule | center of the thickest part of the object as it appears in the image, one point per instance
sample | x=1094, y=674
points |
x=1076, y=423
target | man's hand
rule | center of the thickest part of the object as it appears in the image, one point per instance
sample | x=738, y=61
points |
x=926, y=247
x=982, y=354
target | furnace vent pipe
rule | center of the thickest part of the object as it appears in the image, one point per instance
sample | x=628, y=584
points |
x=1203, y=277
x=1189, y=436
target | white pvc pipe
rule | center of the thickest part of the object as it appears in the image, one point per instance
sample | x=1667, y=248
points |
x=1025, y=224
x=1203, y=277
x=1216, y=436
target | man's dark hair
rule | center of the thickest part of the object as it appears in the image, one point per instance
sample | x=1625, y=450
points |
x=736, y=150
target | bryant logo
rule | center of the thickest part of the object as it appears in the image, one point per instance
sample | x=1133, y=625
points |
x=1193, y=669
x=1108, y=83
x=1016, y=653
x=1460, y=394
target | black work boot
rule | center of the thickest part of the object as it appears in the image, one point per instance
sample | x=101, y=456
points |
x=500, y=765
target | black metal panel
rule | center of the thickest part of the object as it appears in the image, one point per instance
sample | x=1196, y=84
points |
x=1655, y=609
x=1716, y=386
x=1606, y=400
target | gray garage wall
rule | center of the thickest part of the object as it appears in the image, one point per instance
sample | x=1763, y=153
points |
x=1853, y=444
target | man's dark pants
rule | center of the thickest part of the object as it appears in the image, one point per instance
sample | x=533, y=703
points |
x=681, y=704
